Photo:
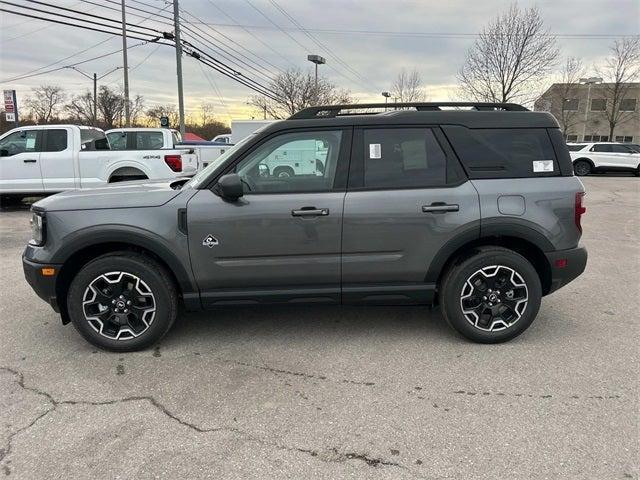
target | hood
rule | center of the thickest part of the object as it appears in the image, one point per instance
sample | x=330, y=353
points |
x=147, y=193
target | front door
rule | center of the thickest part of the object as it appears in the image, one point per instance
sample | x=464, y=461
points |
x=20, y=162
x=624, y=157
x=57, y=160
x=279, y=242
x=407, y=199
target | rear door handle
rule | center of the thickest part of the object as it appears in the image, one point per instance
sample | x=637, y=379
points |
x=30, y=160
x=310, y=212
x=440, y=207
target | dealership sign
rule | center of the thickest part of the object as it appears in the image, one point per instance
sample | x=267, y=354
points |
x=10, y=106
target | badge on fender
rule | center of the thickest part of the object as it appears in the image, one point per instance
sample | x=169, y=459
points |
x=210, y=241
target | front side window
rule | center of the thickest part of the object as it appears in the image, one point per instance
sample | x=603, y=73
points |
x=117, y=140
x=149, y=140
x=403, y=158
x=621, y=149
x=19, y=142
x=292, y=162
x=598, y=104
x=56, y=140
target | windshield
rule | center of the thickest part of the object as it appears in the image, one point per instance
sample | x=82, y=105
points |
x=198, y=180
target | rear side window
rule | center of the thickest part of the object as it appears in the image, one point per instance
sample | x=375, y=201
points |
x=93, y=139
x=575, y=148
x=117, y=140
x=504, y=152
x=403, y=158
x=55, y=140
x=149, y=140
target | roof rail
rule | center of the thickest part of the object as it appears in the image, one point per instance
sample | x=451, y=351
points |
x=331, y=111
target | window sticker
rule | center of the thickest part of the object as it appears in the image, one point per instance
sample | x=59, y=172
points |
x=375, y=150
x=540, y=166
x=31, y=143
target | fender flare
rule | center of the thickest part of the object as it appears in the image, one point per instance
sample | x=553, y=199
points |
x=137, y=237
x=126, y=164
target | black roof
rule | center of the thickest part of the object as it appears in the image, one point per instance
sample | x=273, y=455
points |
x=467, y=114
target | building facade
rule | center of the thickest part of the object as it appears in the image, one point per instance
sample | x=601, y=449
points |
x=583, y=111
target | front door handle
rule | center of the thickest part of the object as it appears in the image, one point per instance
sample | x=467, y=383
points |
x=310, y=212
x=440, y=207
x=30, y=160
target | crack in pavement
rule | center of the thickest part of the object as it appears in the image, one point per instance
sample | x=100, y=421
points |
x=330, y=455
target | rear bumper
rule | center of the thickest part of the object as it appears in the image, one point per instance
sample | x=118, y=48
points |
x=574, y=261
x=45, y=287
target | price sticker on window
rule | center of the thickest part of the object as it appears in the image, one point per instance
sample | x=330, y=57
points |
x=541, y=166
x=375, y=150
x=31, y=143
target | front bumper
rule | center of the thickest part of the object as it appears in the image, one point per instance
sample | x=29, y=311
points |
x=566, y=265
x=44, y=286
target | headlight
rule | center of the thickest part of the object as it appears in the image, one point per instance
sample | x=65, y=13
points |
x=37, y=229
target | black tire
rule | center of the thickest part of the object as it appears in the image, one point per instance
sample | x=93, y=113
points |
x=283, y=172
x=582, y=168
x=637, y=171
x=455, y=279
x=155, y=280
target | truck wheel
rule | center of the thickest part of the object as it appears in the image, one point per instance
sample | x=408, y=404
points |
x=122, y=302
x=582, y=168
x=492, y=296
x=283, y=172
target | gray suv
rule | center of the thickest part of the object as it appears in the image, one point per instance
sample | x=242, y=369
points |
x=470, y=206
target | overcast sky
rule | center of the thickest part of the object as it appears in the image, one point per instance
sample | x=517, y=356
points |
x=26, y=44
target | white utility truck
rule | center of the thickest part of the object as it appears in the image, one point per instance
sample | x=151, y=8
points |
x=43, y=159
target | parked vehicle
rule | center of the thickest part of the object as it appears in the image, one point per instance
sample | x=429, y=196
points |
x=222, y=138
x=590, y=158
x=53, y=158
x=477, y=211
x=200, y=153
x=240, y=129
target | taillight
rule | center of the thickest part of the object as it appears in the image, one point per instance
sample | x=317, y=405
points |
x=174, y=162
x=579, y=209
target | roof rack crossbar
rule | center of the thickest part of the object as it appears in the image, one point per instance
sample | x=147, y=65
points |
x=331, y=111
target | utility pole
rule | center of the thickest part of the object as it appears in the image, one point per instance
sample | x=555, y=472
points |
x=317, y=60
x=264, y=110
x=127, y=115
x=95, y=99
x=176, y=26
x=588, y=81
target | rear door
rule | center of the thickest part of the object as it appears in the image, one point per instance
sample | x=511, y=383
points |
x=279, y=242
x=20, y=162
x=407, y=198
x=57, y=160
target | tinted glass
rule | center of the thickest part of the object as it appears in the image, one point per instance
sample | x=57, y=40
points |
x=504, y=152
x=403, y=158
x=575, y=148
x=117, y=140
x=56, y=140
x=292, y=162
x=601, y=147
x=19, y=142
x=628, y=105
x=620, y=149
x=89, y=136
x=149, y=140
x=598, y=105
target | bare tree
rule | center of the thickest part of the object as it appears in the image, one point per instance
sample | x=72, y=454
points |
x=80, y=108
x=408, y=87
x=110, y=106
x=168, y=110
x=45, y=102
x=509, y=59
x=206, y=112
x=136, y=108
x=563, y=100
x=296, y=90
x=620, y=70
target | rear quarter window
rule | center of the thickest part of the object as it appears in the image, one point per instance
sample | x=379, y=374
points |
x=504, y=152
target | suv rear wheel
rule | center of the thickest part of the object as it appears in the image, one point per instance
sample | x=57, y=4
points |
x=122, y=302
x=492, y=296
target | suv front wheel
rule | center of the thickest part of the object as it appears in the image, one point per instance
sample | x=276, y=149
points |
x=492, y=296
x=122, y=301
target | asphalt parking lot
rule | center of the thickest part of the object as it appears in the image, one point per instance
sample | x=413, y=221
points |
x=331, y=392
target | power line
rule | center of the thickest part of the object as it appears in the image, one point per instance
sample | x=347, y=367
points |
x=134, y=8
x=349, y=68
x=133, y=14
x=262, y=65
x=214, y=86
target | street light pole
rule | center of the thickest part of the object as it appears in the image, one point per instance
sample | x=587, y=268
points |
x=127, y=115
x=317, y=60
x=95, y=99
x=176, y=26
x=588, y=81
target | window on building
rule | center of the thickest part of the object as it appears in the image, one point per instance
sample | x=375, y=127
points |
x=596, y=138
x=571, y=138
x=598, y=104
x=628, y=105
x=624, y=138
x=570, y=105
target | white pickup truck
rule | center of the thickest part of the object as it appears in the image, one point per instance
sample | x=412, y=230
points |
x=52, y=158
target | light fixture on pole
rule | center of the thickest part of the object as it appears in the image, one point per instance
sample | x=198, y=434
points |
x=318, y=60
x=386, y=96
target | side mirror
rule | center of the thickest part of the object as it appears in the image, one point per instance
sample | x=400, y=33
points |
x=4, y=153
x=230, y=186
